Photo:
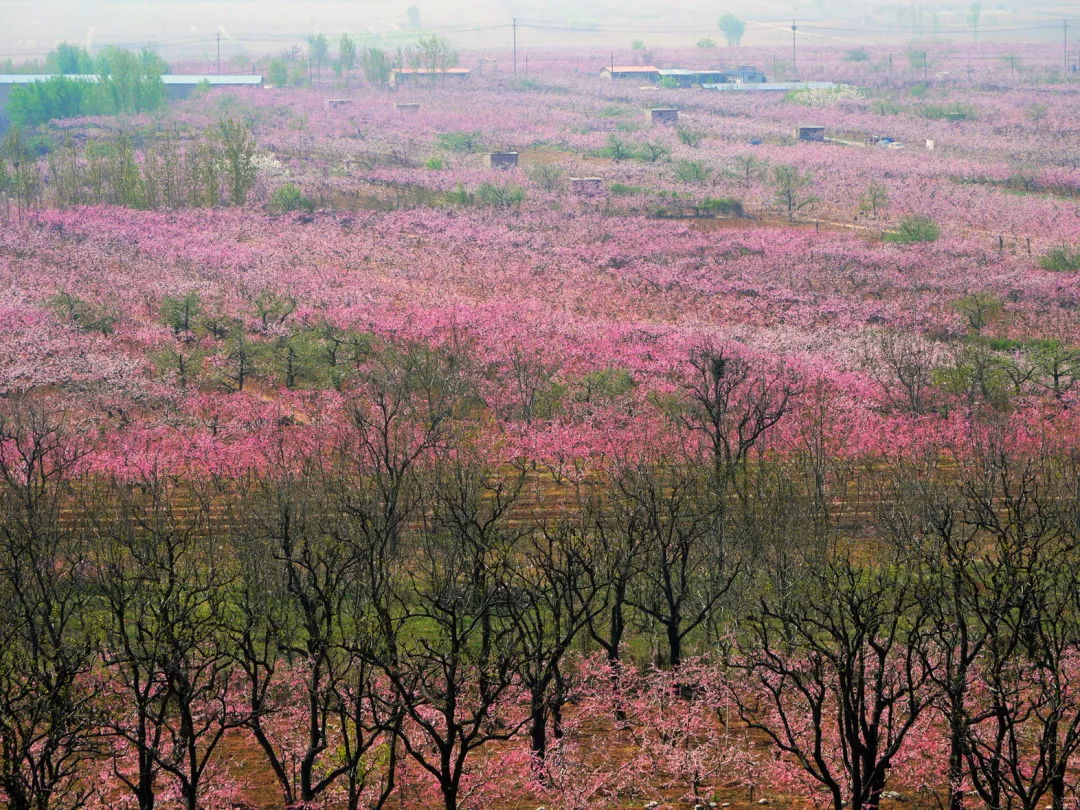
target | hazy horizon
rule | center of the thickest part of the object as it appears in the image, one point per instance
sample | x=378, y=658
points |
x=182, y=29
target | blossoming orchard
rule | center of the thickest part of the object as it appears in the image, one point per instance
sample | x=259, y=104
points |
x=386, y=436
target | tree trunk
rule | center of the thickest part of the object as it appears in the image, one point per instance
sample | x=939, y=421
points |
x=956, y=766
x=538, y=729
x=450, y=793
x=674, y=644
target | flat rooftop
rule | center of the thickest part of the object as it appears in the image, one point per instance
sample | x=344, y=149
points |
x=168, y=79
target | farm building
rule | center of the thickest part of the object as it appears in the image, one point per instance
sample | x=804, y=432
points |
x=810, y=134
x=776, y=87
x=178, y=86
x=647, y=72
x=403, y=76
x=501, y=160
x=746, y=74
x=689, y=78
x=664, y=115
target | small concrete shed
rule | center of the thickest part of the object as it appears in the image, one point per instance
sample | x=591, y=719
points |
x=501, y=160
x=810, y=134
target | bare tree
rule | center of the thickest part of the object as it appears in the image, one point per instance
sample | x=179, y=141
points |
x=164, y=583
x=46, y=716
x=902, y=365
x=687, y=568
x=457, y=652
x=835, y=676
x=556, y=593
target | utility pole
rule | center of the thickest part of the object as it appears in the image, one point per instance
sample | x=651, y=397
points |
x=219, y=54
x=526, y=67
x=515, y=49
x=925, y=70
x=794, y=67
x=1065, y=25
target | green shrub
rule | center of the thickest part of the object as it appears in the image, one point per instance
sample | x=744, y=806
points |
x=669, y=83
x=913, y=230
x=690, y=137
x=617, y=149
x=724, y=206
x=623, y=190
x=692, y=171
x=500, y=196
x=86, y=316
x=858, y=55
x=435, y=163
x=546, y=175
x=706, y=42
x=460, y=141
x=459, y=196
x=1061, y=260
x=289, y=197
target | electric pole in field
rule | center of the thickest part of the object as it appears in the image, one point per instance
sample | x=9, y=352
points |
x=219, y=54
x=515, y=49
x=794, y=67
x=1065, y=26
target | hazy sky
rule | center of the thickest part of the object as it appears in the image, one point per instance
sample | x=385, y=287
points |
x=29, y=28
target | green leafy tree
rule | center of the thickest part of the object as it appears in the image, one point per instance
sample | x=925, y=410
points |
x=979, y=309
x=875, y=200
x=238, y=149
x=748, y=169
x=31, y=105
x=412, y=16
x=278, y=72
x=130, y=82
x=181, y=313
x=347, y=54
x=431, y=53
x=733, y=29
x=690, y=137
x=692, y=171
x=791, y=190
x=467, y=142
x=913, y=230
x=973, y=15
x=655, y=151
x=319, y=47
x=375, y=65
x=619, y=150
x=22, y=175
x=69, y=60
